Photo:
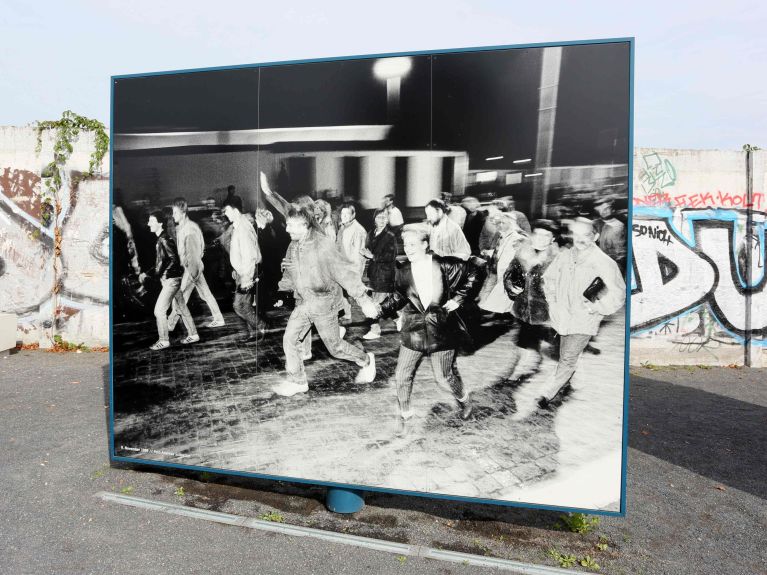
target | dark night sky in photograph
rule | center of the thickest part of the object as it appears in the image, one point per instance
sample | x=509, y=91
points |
x=487, y=104
x=484, y=103
x=593, y=106
x=198, y=101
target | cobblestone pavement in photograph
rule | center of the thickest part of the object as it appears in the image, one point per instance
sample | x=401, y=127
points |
x=210, y=404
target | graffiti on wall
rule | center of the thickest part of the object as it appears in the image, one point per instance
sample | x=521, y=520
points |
x=26, y=252
x=695, y=262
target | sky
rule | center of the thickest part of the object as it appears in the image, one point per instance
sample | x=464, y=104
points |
x=700, y=71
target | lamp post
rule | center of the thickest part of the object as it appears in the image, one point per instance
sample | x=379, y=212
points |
x=392, y=70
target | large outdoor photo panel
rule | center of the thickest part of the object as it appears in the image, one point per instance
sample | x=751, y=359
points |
x=403, y=272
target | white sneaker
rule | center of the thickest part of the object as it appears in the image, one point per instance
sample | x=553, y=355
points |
x=341, y=331
x=289, y=389
x=368, y=373
x=216, y=323
x=372, y=335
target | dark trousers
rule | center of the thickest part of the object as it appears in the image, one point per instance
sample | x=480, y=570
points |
x=243, y=307
x=442, y=365
x=531, y=335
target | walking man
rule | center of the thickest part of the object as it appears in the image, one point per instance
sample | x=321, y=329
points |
x=351, y=241
x=244, y=255
x=582, y=286
x=445, y=236
x=313, y=272
x=191, y=247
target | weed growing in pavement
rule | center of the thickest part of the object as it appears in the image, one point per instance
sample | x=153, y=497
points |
x=602, y=544
x=563, y=560
x=127, y=490
x=650, y=366
x=589, y=563
x=272, y=516
x=482, y=547
x=179, y=492
x=99, y=473
x=402, y=559
x=60, y=344
x=577, y=523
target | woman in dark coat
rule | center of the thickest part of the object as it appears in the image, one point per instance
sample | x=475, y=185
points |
x=523, y=282
x=381, y=253
x=431, y=292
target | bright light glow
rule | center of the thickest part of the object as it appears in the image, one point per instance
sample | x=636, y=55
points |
x=389, y=68
x=522, y=161
x=493, y=158
x=534, y=175
x=487, y=176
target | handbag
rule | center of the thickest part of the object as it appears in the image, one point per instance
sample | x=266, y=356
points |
x=595, y=290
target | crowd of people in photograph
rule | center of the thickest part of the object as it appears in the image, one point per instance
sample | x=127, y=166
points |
x=435, y=281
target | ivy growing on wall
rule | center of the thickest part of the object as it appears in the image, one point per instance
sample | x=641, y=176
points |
x=66, y=132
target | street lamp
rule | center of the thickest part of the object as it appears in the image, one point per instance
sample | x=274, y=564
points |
x=392, y=70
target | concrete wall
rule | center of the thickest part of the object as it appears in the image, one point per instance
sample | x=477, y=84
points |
x=26, y=247
x=691, y=302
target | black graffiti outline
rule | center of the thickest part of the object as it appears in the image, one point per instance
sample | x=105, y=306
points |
x=703, y=299
x=709, y=297
x=719, y=315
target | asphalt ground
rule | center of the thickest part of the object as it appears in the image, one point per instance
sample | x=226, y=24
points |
x=697, y=485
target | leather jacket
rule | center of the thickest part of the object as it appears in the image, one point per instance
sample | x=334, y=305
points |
x=432, y=328
x=167, y=264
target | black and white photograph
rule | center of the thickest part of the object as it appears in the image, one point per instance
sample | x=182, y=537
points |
x=403, y=272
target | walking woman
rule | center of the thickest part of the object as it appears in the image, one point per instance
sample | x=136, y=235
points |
x=168, y=270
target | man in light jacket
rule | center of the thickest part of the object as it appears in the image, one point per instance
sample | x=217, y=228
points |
x=574, y=317
x=244, y=255
x=191, y=247
x=350, y=241
x=445, y=236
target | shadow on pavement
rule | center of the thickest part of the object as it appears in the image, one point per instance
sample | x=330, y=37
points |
x=712, y=435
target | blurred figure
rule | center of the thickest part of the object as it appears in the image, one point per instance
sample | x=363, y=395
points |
x=445, y=237
x=474, y=222
x=230, y=196
x=273, y=243
x=381, y=253
x=507, y=204
x=454, y=211
x=582, y=286
x=315, y=267
x=430, y=290
x=350, y=242
x=168, y=271
x=523, y=282
x=280, y=204
x=323, y=215
x=191, y=247
x=612, y=232
x=395, y=215
x=493, y=297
